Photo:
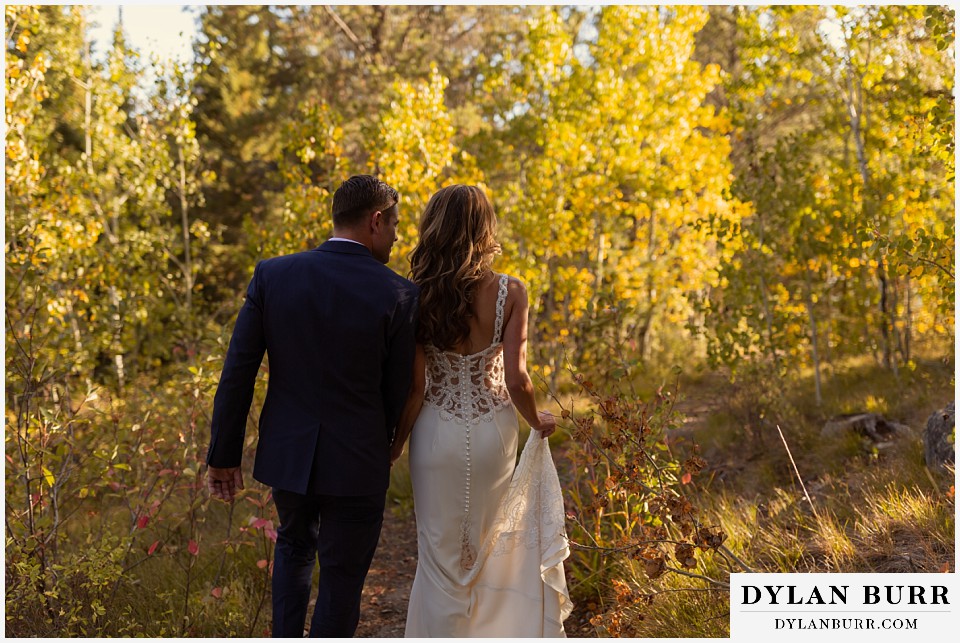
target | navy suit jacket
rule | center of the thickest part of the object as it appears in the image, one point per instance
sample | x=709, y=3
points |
x=338, y=329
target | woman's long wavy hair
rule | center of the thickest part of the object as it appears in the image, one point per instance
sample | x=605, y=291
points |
x=457, y=245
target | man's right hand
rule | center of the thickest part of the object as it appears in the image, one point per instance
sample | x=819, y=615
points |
x=224, y=483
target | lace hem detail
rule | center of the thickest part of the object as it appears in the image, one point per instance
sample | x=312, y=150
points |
x=468, y=553
x=531, y=513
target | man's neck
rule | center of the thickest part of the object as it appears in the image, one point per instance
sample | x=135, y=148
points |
x=355, y=236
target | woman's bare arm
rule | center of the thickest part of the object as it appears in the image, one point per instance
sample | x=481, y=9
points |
x=515, y=360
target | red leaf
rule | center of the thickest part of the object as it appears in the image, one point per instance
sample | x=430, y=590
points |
x=945, y=569
x=193, y=547
x=271, y=533
x=143, y=521
x=153, y=548
x=216, y=592
x=9, y=459
x=686, y=478
x=262, y=522
x=262, y=563
x=164, y=472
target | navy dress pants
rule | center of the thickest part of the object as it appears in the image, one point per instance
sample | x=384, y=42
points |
x=342, y=533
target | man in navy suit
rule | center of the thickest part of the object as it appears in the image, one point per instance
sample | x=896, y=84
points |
x=338, y=329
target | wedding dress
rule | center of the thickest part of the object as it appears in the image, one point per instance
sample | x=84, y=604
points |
x=490, y=536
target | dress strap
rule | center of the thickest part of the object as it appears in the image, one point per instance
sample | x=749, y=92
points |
x=501, y=300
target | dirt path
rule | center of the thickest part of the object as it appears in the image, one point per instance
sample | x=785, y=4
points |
x=698, y=401
x=383, y=611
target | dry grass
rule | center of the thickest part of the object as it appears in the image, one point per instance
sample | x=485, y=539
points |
x=875, y=509
x=907, y=530
x=683, y=609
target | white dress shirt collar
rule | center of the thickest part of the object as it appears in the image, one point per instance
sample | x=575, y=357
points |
x=342, y=239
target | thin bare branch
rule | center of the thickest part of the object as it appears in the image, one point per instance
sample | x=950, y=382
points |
x=712, y=581
x=347, y=31
x=797, y=471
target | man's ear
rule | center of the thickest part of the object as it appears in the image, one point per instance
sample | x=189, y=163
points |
x=376, y=221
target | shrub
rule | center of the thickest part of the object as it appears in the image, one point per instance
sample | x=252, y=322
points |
x=635, y=528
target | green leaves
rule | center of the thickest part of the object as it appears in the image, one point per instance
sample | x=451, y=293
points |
x=940, y=23
x=847, y=181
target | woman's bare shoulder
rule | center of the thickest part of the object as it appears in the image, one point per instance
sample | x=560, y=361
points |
x=516, y=290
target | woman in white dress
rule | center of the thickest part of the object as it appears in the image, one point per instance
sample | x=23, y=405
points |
x=491, y=540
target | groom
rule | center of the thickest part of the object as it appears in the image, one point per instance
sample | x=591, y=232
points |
x=338, y=328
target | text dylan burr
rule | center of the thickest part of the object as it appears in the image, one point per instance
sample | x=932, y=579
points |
x=837, y=595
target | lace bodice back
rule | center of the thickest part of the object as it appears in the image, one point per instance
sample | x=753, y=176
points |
x=469, y=388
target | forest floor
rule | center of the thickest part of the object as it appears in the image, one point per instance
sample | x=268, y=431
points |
x=383, y=611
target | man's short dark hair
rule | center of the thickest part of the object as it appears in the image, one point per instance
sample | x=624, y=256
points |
x=360, y=195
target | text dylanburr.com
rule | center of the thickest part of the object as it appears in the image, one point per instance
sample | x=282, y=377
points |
x=842, y=607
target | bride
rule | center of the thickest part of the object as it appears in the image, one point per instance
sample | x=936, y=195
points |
x=490, y=535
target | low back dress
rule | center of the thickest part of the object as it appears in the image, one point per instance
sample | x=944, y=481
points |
x=490, y=533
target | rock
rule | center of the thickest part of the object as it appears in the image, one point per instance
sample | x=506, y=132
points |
x=873, y=426
x=938, y=439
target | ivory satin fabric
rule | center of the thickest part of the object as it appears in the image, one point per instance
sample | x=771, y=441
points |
x=514, y=584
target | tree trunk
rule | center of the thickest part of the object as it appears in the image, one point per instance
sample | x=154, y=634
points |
x=889, y=361
x=894, y=328
x=767, y=316
x=854, y=102
x=187, y=254
x=769, y=322
x=908, y=322
x=117, y=340
x=549, y=350
x=643, y=334
x=808, y=300
x=599, y=268
x=646, y=319
x=827, y=357
x=77, y=338
x=855, y=114
x=601, y=261
x=113, y=232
